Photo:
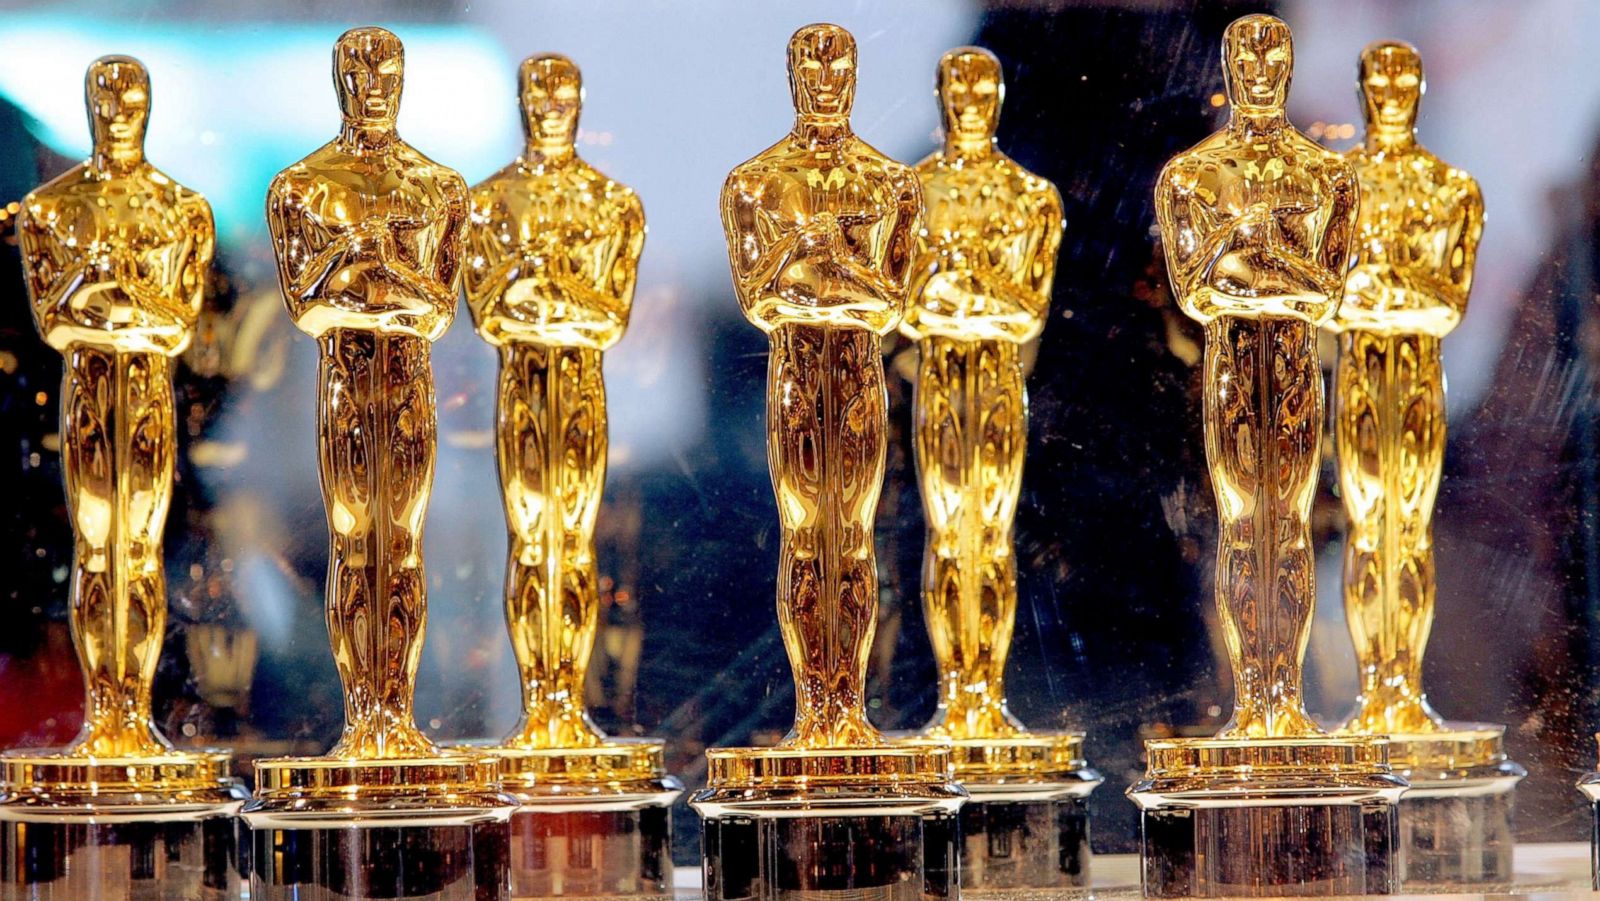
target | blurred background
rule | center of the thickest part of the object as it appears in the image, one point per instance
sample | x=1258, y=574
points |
x=1117, y=526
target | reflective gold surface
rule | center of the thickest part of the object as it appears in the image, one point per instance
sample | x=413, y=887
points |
x=820, y=231
x=985, y=259
x=792, y=767
x=369, y=235
x=1417, y=239
x=1257, y=222
x=553, y=250
x=115, y=254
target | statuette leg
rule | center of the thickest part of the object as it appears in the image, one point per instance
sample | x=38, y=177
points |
x=1389, y=429
x=1027, y=823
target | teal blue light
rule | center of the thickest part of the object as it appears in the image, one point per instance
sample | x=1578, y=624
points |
x=233, y=103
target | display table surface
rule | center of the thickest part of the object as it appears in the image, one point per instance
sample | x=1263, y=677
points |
x=1549, y=870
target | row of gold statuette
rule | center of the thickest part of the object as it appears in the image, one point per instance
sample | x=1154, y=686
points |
x=832, y=245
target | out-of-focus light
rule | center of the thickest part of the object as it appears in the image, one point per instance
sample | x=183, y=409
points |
x=231, y=105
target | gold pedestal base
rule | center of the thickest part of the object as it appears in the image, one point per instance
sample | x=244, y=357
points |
x=156, y=827
x=433, y=828
x=333, y=792
x=1269, y=817
x=824, y=823
x=591, y=822
x=1455, y=819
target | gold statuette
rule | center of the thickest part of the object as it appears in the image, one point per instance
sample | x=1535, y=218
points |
x=985, y=260
x=116, y=255
x=820, y=232
x=369, y=236
x=821, y=229
x=1258, y=224
x=554, y=249
x=1416, y=242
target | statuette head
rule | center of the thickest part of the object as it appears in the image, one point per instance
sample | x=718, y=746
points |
x=822, y=72
x=117, y=92
x=1391, y=85
x=551, y=88
x=368, y=71
x=1257, y=63
x=971, y=89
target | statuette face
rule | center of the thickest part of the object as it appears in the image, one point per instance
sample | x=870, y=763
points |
x=369, y=235
x=1257, y=223
x=971, y=89
x=1257, y=64
x=822, y=73
x=115, y=255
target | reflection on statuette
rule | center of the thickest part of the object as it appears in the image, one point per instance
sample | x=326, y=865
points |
x=820, y=231
x=116, y=254
x=1417, y=240
x=985, y=259
x=369, y=235
x=980, y=290
x=1258, y=222
x=554, y=247
x=553, y=250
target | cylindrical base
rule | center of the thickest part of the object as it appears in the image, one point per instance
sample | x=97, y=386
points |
x=592, y=822
x=868, y=824
x=1461, y=841
x=1255, y=852
x=865, y=858
x=183, y=860
x=408, y=829
x=1268, y=818
x=566, y=852
x=157, y=827
x=1590, y=786
x=1024, y=844
x=1455, y=820
x=436, y=863
x=1026, y=825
